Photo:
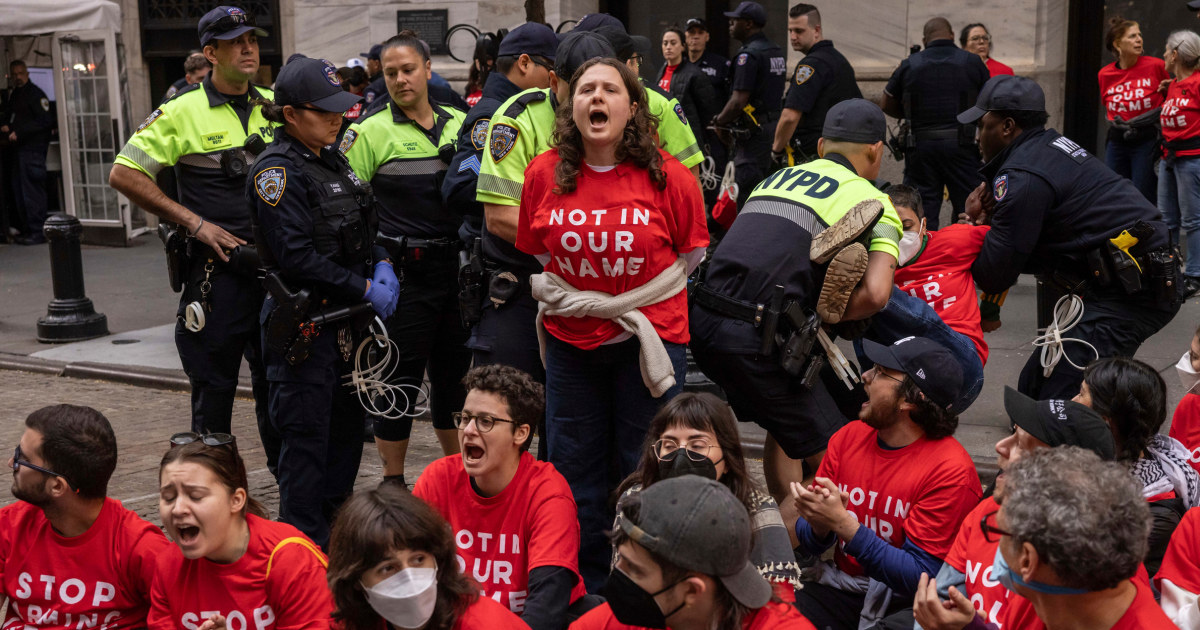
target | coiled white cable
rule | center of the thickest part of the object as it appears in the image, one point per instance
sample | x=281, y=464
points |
x=371, y=375
x=1068, y=310
x=708, y=174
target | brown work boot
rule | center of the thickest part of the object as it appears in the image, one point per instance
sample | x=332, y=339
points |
x=844, y=272
x=846, y=230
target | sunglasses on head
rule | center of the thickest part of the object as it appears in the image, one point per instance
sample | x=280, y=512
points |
x=208, y=439
x=229, y=22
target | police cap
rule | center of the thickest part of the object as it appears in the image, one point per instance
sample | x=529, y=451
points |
x=1006, y=93
x=226, y=23
x=855, y=120
x=621, y=42
x=699, y=23
x=748, y=10
x=529, y=38
x=593, y=21
x=314, y=82
x=1194, y=5
x=374, y=53
x=576, y=48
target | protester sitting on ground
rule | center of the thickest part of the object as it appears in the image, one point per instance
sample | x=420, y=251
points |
x=613, y=306
x=1185, y=423
x=234, y=568
x=696, y=434
x=517, y=532
x=891, y=491
x=392, y=565
x=1178, y=579
x=689, y=568
x=1072, y=533
x=70, y=556
x=1131, y=397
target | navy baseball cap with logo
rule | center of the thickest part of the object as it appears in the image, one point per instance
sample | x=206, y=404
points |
x=314, y=82
x=1006, y=93
x=932, y=367
x=531, y=39
x=374, y=53
x=1060, y=422
x=226, y=23
x=699, y=23
x=752, y=11
x=855, y=120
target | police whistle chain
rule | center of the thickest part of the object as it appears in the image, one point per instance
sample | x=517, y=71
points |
x=1068, y=310
x=371, y=375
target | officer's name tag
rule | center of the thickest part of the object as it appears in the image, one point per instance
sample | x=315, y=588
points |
x=1064, y=144
x=215, y=139
x=335, y=188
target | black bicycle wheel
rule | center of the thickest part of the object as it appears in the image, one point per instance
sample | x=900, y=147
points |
x=468, y=45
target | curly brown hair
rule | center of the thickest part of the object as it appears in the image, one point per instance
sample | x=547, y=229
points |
x=639, y=143
x=525, y=397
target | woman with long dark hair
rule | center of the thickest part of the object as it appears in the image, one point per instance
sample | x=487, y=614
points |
x=684, y=80
x=1129, y=89
x=618, y=224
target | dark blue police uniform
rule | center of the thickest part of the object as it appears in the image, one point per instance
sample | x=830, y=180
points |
x=821, y=80
x=758, y=68
x=28, y=113
x=933, y=86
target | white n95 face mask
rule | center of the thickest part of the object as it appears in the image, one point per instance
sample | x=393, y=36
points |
x=1187, y=376
x=910, y=246
x=406, y=599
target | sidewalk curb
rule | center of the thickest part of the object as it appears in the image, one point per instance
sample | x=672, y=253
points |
x=153, y=378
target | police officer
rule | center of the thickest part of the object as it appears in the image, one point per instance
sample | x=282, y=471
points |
x=195, y=68
x=202, y=132
x=377, y=94
x=821, y=80
x=1055, y=211
x=929, y=89
x=714, y=66
x=27, y=122
x=737, y=311
x=404, y=149
x=503, y=334
x=756, y=78
x=316, y=223
x=376, y=87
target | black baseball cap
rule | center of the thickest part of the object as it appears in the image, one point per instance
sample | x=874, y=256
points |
x=529, y=38
x=855, y=120
x=226, y=22
x=699, y=23
x=593, y=21
x=304, y=80
x=576, y=48
x=1194, y=5
x=686, y=519
x=932, y=367
x=1007, y=93
x=641, y=45
x=374, y=53
x=752, y=11
x=1060, y=422
x=618, y=39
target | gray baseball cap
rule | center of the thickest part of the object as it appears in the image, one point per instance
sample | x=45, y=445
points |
x=1006, y=93
x=855, y=120
x=698, y=525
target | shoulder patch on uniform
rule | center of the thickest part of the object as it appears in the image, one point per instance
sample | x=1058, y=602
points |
x=1000, y=187
x=804, y=73
x=504, y=138
x=1066, y=145
x=45, y=104
x=523, y=101
x=479, y=133
x=269, y=184
x=347, y=141
x=741, y=60
x=149, y=120
x=679, y=112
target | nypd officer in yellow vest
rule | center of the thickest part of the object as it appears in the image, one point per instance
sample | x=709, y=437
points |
x=793, y=250
x=403, y=150
x=202, y=132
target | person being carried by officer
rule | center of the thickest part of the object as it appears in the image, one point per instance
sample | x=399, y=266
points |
x=1059, y=212
x=208, y=132
x=928, y=90
x=821, y=80
x=756, y=78
x=791, y=262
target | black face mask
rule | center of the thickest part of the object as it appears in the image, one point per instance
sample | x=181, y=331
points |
x=678, y=464
x=633, y=606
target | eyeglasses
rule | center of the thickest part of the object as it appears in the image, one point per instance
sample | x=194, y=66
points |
x=980, y=38
x=989, y=529
x=637, y=58
x=879, y=372
x=483, y=422
x=19, y=460
x=209, y=439
x=541, y=62
x=696, y=450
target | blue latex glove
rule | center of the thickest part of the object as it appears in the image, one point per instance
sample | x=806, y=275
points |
x=385, y=275
x=382, y=299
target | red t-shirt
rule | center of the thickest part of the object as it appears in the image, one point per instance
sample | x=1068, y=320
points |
x=532, y=523
x=1180, y=115
x=995, y=68
x=1185, y=426
x=1134, y=91
x=616, y=232
x=972, y=555
x=1181, y=563
x=473, y=98
x=1019, y=613
x=941, y=275
x=1144, y=613
x=774, y=615
x=100, y=578
x=295, y=594
x=665, y=81
x=920, y=492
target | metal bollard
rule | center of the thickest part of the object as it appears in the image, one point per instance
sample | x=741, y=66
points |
x=70, y=316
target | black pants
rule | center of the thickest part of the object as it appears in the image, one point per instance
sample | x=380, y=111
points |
x=29, y=186
x=935, y=165
x=428, y=331
x=751, y=160
x=507, y=335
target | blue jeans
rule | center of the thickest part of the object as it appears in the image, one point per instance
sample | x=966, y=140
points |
x=597, y=413
x=1179, y=201
x=1135, y=161
x=908, y=316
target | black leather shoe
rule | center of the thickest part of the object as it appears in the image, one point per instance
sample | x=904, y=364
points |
x=35, y=239
x=1191, y=286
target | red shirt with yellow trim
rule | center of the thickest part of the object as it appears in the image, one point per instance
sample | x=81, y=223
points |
x=1131, y=92
x=295, y=594
x=615, y=232
x=100, y=578
x=775, y=615
x=1180, y=115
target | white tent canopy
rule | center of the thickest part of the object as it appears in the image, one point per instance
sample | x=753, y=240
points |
x=27, y=17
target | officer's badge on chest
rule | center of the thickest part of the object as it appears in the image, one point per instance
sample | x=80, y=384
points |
x=479, y=133
x=269, y=184
x=504, y=137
